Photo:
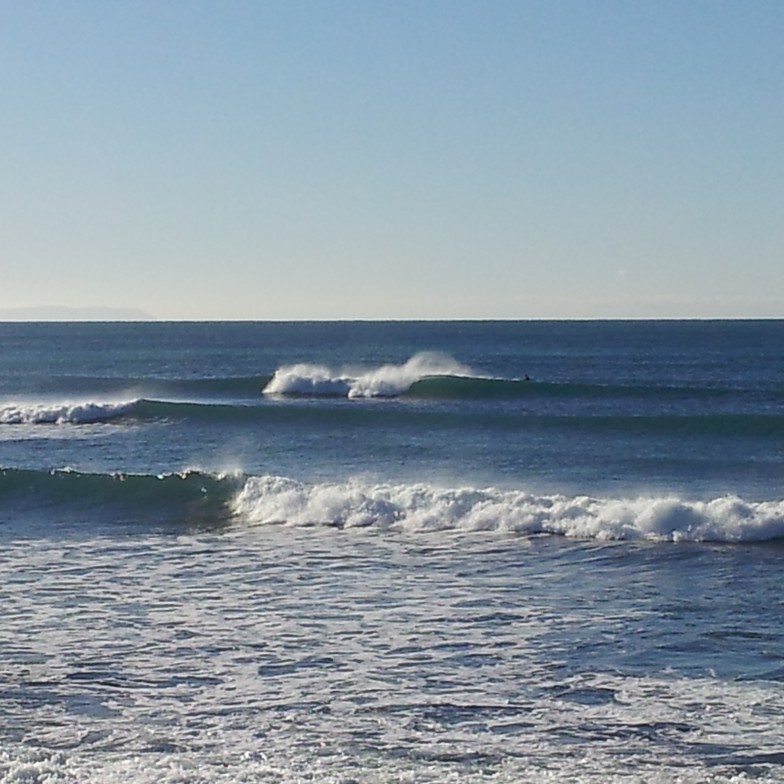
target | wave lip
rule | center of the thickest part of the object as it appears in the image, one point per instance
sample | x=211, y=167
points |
x=279, y=500
x=71, y=413
x=385, y=381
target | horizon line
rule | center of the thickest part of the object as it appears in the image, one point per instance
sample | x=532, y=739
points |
x=370, y=320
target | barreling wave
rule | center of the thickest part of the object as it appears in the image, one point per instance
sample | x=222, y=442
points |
x=415, y=508
x=385, y=381
x=198, y=498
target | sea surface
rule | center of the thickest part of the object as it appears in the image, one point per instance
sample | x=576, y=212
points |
x=366, y=553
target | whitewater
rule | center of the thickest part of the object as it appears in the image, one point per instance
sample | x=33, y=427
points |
x=365, y=552
x=386, y=381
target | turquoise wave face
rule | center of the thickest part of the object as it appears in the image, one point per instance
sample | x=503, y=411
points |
x=190, y=499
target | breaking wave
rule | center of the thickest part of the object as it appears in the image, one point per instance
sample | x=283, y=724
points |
x=63, y=413
x=385, y=381
x=199, y=498
x=272, y=499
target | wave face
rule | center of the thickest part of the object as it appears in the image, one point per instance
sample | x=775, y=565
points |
x=187, y=498
x=385, y=381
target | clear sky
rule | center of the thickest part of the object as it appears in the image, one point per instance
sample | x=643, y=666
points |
x=296, y=159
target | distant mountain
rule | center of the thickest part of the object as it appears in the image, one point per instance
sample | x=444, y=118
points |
x=62, y=313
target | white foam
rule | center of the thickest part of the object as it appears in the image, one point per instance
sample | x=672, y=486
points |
x=30, y=766
x=274, y=499
x=290, y=658
x=60, y=413
x=384, y=381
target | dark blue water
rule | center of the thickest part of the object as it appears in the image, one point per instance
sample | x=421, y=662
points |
x=496, y=551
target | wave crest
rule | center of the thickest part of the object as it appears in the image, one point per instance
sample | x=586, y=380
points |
x=73, y=413
x=195, y=497
x=279, y=500
x=385, y=381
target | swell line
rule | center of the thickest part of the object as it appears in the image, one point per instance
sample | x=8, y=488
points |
x=480, y=388
x=522, y=419
x=197, y=498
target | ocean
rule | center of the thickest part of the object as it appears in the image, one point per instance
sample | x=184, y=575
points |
x=366, y=552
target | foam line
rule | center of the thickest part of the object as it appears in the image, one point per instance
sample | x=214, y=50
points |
x=272, y=499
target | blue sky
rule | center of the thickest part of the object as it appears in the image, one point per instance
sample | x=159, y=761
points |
x=392, y=159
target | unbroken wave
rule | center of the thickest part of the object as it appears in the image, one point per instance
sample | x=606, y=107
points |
x=385, y=381
x=144, y=410
x=189, y=497
x=278, y=500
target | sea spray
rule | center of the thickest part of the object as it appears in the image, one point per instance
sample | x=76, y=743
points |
x=385, y=381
